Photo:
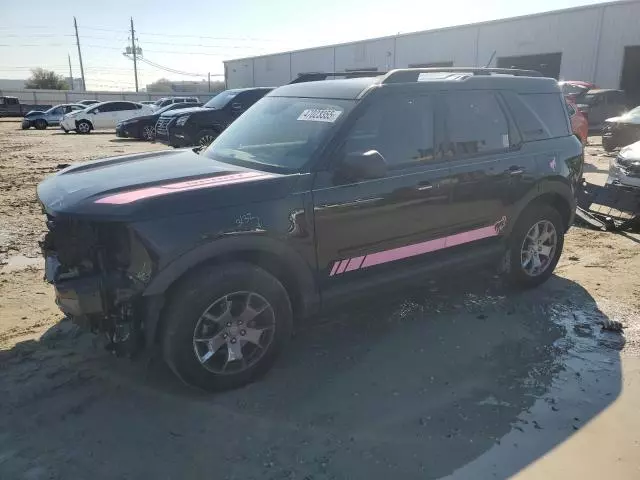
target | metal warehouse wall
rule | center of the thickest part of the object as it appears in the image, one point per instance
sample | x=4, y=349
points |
x=591, y=40
x=54, y=97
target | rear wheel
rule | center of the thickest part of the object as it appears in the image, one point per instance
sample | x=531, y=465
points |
x=225, y=325
x=148, y=133
x=83, y=126
x=535, y=245
x=205, y=138
x=40, y=124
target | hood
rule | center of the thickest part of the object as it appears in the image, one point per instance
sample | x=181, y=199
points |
x=631, y=152
x=634, y=119
x=152, y=117
x=33, y=113
x=155, y=184
x=186, y=111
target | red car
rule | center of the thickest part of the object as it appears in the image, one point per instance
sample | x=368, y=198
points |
x=579, y=123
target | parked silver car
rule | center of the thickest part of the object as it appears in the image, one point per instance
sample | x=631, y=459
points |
x=51, y=117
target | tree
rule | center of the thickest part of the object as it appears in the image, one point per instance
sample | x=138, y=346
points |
x=160, y=85
x=46, y=79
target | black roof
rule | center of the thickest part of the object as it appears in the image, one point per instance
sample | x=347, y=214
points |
x=424, y=79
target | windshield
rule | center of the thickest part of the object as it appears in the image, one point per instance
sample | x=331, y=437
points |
x=220, y=100
x=280, y=132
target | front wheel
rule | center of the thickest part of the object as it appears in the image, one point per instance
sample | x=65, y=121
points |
x=40, y=124
x=535, y=245
x=206, y=138
x=83, y=127
x=225, y=325
x=148, y=133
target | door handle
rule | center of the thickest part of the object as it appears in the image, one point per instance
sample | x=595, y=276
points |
x=423, y=187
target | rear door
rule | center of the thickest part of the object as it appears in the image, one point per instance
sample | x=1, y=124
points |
x=372, y=226
x=487, y=169
x=102, y=115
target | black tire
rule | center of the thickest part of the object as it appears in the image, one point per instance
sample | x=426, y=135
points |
x=26, y=126
x=206, y=137
x=607, y=145
x=190, y=301
x=531, y=216
x=40, y=124
x=84, y=127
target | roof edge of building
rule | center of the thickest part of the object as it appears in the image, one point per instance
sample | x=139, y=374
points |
x=579, y=8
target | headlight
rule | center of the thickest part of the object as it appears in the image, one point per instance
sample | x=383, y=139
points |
x=182, y=120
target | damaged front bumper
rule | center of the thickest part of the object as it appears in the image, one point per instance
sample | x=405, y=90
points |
x=99, y=273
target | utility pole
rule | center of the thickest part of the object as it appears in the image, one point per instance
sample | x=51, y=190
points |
x=70, y=72
x=75, y=25
x=209, y=80
x=134, y=53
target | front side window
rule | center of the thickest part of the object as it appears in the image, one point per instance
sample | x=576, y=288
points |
x=475, y=124
x=56, y=111
x=279, y=132
x=399, y=128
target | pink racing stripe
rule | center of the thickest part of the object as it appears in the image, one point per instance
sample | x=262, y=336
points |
x=417, y=248
x=342, y=267
x=470, y=236
x=403, y=252
x=211, y=182
x=334, y=269
x=354, y=264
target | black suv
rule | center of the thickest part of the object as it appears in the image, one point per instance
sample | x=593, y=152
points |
x=200, y=126
x=321, y=192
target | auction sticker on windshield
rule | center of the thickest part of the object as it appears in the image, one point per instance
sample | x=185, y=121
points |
x=320, y=115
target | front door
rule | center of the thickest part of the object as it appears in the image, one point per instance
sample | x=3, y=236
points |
x=369, y=226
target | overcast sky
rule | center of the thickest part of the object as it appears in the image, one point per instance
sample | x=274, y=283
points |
x=195, y=36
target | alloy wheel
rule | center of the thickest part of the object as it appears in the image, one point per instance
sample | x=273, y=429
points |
x=538, y=248
x=206, y=140
x=234, y=332
x=148, y=133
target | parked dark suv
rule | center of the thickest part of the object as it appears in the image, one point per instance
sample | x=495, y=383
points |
x=321, y=192
x=200, y=126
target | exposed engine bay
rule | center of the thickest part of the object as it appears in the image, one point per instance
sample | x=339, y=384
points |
x=99, y=272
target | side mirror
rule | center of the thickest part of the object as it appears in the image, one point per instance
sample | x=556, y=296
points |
x=363, y=166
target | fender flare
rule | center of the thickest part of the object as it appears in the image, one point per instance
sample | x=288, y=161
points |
x=557, y=187
x=294, y=264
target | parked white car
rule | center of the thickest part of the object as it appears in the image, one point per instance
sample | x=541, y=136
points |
x=105, y=115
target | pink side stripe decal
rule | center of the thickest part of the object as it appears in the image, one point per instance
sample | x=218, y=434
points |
x=343, y=265
x=334, y=269
x=143, y=193
x=354, y=264
x=403, y=252
x=470, y=236
x=418, y=248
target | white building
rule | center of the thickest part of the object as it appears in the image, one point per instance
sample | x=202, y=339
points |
x=599, y=43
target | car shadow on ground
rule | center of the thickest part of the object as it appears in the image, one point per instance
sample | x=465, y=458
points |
x=126, y=140
x=93, y=132
x=415, y=384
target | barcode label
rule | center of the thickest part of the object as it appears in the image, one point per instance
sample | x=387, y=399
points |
x=320, y=115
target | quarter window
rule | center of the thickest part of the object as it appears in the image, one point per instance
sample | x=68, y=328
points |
x=401, y=129
x=548, y=110
x=475, y=124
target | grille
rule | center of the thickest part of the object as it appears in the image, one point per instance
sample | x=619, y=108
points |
x=161, y=126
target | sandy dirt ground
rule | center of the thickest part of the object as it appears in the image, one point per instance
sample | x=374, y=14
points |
x=463, y=378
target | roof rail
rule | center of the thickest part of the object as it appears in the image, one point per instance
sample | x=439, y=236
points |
x=408, y=75
x=316, y=76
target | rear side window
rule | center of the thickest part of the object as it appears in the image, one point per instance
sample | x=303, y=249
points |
x=549, y=112
x=475, y=124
